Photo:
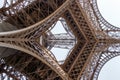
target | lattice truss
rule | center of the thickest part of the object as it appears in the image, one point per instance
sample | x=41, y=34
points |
x=26, y=40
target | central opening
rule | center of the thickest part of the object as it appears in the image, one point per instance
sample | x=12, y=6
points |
x=60, y=40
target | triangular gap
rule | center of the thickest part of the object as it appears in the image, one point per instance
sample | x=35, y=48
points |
x=60, y=54
x=58, y=28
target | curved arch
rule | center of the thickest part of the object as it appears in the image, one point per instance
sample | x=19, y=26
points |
x=7, y=65
x=54, y=15
x=56, y=68
x=50, y=62
x=101, y=19
x=105, y=57
x=25, y=65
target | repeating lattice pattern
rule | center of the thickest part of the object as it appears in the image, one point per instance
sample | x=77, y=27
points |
x=36, y=18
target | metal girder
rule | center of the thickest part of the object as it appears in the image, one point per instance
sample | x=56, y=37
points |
x=25, y=40
x=96, y=39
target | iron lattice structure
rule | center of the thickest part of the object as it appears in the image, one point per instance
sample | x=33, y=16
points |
x=26, y=40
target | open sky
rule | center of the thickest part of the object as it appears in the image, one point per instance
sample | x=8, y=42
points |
x=110, y=10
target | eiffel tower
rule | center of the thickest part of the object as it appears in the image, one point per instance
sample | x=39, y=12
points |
x=26, y=40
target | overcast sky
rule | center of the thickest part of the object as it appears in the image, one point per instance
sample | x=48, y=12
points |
x=110, y=10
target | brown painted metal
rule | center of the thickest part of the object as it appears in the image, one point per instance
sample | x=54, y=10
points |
x=31, y=60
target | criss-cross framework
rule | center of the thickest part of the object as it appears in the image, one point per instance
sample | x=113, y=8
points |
x=26, y=40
